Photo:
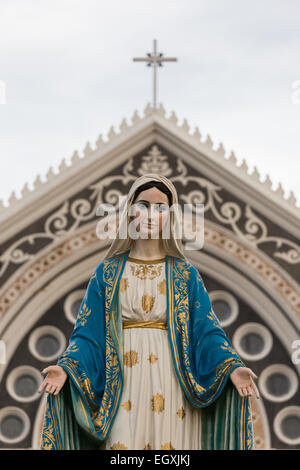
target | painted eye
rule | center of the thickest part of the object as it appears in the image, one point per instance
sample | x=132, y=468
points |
x=141, y=205
x=161, y=208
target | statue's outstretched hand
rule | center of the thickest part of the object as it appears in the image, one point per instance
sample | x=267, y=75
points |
x=242, y=379
x=56, y=377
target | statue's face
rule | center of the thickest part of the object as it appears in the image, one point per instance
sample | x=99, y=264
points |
x=151, y=207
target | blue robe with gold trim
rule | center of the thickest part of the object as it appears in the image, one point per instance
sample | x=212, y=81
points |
x=82, y=414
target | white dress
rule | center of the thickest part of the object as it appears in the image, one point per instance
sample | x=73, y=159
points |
x=154, y=413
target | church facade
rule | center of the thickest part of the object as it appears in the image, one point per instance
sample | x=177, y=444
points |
x=250, y=263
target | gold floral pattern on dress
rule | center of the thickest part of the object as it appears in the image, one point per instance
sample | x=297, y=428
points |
x=152, y=358
x=181, y=413
x=131, y=358
x=147, y=447
x=146, y=271
x=123, y=284
x=158, y=403
x=119, y=446
x=162, y=287
x=147, y=302
x=212, y=316
x=86, y=387
x=167, y=446
x=127, y=405
x=48, y=435
x=84, y=312
x=229, y=348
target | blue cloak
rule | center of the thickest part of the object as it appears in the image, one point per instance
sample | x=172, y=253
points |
x=83, y=412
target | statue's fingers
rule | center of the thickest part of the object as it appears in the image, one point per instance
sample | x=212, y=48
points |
x=42, y=386
x=240, y=392
x=52, y=389
x=57, y=390
x=249, y=391
x=252, y=374
x=45, y=371
x=245, y=393
x=48, y=388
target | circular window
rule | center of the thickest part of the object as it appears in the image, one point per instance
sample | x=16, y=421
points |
x=225, y=306
x=14, y=424
x=252, y=341
x=287, y=425
x=72, y=304
x=47, y=343
x=278, y=382
x=23, y=383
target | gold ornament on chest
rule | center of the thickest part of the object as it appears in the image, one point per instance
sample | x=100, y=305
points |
x=146, y=271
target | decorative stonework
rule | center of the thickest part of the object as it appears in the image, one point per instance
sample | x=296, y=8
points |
x=40, y=265
x=258, y=265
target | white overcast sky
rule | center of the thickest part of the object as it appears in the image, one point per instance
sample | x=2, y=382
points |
x=68, y=74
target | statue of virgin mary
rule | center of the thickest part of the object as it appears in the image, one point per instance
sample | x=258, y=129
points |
x=148, y=365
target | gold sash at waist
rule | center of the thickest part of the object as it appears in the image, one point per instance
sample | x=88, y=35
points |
x=145, y=324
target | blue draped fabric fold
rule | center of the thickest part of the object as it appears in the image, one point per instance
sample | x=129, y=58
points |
x=82, y=414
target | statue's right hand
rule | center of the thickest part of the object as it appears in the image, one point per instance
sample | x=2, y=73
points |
x=55, y=379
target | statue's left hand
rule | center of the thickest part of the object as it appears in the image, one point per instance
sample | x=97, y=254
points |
x=242, y=379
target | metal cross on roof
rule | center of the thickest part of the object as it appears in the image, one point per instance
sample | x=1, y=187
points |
x=155, y=59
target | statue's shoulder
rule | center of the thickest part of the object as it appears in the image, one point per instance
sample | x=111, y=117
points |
x=106, y=266
x=192, y=273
